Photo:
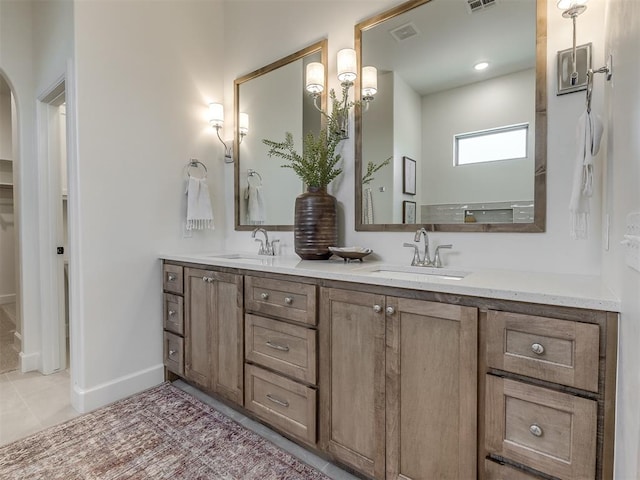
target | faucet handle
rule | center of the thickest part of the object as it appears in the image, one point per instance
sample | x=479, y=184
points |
x=273, y=246
x=436, y=260
x=416, y=253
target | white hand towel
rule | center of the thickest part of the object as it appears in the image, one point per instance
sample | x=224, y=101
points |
x=588, y=136
x=199, y=213
x=367, y=210
x=256, y=210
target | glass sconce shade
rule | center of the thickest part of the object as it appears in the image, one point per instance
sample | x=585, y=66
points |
x=243, y=126
x=315, y=78
x=347, y=65
x=567, y=4
x=216, y=114
x=369, y=81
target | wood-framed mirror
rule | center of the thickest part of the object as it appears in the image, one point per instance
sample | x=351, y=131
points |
x=433, y=107
x=275, y=100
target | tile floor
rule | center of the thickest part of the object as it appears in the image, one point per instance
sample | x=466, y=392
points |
x=30, y=402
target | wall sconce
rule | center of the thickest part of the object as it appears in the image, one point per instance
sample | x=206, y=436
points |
x=572, y=9
x=216, y=120
x=347, y=68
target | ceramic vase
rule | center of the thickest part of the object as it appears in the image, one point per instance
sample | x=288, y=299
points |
x=316, y=224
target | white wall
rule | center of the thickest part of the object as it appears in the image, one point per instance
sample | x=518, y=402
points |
x=493, y=103
x=550, y=251
x=622, y=117
x=146, y=72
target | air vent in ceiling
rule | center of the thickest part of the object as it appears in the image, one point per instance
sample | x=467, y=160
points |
x=479, y=5
x=404, y=32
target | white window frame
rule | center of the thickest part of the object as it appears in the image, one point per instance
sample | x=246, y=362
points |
x=491, y=131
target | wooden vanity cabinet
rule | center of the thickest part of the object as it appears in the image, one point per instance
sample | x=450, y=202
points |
x=398, y=385
x=213, y=332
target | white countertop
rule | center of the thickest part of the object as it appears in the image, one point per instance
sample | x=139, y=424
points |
x=580, y=291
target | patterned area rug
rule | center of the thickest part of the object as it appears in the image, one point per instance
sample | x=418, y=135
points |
x=9, y=359
x=163, y=433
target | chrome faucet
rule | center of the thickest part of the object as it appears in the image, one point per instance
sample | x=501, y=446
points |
x=425, y=261
x=266, y=247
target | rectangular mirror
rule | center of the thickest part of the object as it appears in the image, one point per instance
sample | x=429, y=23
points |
x=275, y=101
x=477, y=136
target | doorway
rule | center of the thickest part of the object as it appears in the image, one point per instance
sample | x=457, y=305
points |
x=55, y=285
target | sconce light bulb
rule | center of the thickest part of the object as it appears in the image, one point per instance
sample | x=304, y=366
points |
x=216, y=115
x=347, y=65
x=369, y=81
x=243, y=126
x=315, y=78
x=481, y=66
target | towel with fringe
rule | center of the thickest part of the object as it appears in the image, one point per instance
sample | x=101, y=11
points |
x=256, y=211
x=588, y=136
x=199, y=212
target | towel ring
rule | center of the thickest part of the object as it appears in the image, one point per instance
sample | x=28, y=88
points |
x=194, y=163
x=253, y=173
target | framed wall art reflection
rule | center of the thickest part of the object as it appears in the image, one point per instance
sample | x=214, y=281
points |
x=409, y=176
x=408, y=211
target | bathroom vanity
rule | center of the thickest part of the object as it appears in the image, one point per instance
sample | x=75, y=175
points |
x=396, y=373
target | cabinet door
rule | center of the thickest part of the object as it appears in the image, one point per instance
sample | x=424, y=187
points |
x=431, y=394
x=213, y=331
x=227, y=333
x=198, y=326
x=352, y=379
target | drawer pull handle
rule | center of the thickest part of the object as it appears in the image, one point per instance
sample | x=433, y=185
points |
x=172, y=313
x=282, y=348
x=265, y=296
x=537, y=349
x=390, y=310
x=282, y=403
x=288, y=300
x=377, y=308
x=172, y=353
x=207, y=279
x=535, y=430
x=171, y=277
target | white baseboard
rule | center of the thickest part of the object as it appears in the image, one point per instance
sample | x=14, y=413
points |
x=11, y=298
x=85, y=400
x=30, y=362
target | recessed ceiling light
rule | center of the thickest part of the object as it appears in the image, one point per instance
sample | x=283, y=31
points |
x=481, y=65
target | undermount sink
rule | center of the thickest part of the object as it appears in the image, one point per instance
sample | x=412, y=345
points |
x=417, y=273
x=245, y=258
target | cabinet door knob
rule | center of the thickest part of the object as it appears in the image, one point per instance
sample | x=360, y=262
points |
x=277, y=401
x=172, y=353
x=172, y=313
x=171, y=277
x=205, y=279
x=276, y=346
x=535, y=430
x=265, y=296
x=390, y=310
x=377, y=308
x=537, y=349
x=288, y=300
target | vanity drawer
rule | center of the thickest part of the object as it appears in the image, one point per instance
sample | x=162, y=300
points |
x=172, y=275
x=559, y=351
x=174, y=353
x=498, y=471
x=281, y=402
x=280, y=298
x=289, y=349
x=549, y=431
x=173, y=313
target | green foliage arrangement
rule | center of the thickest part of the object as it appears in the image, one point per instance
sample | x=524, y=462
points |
x=319, y=163
x=373, y=168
